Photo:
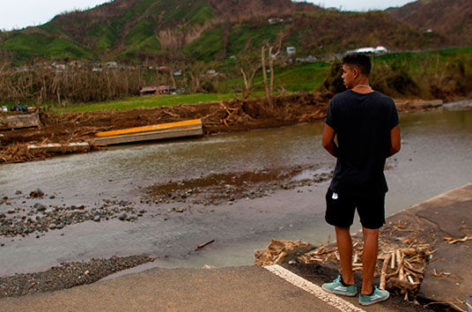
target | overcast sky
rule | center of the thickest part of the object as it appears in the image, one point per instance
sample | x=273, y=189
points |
x=16, y=14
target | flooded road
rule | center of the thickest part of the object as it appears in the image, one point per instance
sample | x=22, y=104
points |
x=435, y=157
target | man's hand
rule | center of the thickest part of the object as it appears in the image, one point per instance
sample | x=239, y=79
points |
x=328, y=140
x=395, y=140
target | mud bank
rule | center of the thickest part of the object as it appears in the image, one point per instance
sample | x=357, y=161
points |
x=217, y=117
x=67, y=275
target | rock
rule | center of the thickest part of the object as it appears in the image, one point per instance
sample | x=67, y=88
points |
x=18, y=192
x=123, y=216
x=208, y=267
x=39, y=207
x=52, y=226
x=180, y=209
x=11, y=211
x=37, y=193
x=49, y=211
x=96, y=218
x=2, y=216
x=59, y=226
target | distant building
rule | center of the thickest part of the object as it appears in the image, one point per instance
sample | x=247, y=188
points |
x=212, y=73
x=177, y=73
x=291, y=50
x=156, y=90
x=380, y=50
x=111, y=64
x=367, y=50
x=162, y=68
x=275, y=20
x=370, y=50
x=59, y=67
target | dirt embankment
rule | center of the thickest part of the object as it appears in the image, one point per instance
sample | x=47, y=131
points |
x=217, y=117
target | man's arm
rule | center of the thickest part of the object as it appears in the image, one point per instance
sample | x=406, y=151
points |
x=328, y=140
x=395, y=140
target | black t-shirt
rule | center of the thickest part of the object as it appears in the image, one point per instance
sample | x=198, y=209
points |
x=362, y=123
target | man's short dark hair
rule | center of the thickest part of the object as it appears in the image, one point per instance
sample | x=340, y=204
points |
x=361, y=60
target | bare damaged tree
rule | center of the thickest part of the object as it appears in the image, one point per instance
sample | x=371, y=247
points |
x=196, y=70
x=264, y=74
x=248, y=71
x=268, y=85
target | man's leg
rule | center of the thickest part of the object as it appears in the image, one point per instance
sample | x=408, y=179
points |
x=369, y=259
x=344, y=241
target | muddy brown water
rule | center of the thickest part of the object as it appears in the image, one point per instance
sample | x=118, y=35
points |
x=435, y=157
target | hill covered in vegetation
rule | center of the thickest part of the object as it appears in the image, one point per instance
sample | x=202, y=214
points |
x=162, y=31
x=449, y=18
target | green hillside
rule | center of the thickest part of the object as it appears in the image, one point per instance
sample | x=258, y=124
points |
x=202, y=46
x=26, y=46
x=132, y=31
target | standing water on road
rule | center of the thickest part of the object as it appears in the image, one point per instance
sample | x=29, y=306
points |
x=435, y=157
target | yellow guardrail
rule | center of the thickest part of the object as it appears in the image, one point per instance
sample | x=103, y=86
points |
x=193, y=122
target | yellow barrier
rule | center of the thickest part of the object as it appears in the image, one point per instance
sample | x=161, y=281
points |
x=150, y=128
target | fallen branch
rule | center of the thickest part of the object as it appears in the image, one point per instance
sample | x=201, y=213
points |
x=204, y=244
x=452, y=241
x=383, y=274
x=397, y=283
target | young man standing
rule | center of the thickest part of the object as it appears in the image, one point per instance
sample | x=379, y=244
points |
x=365, y=124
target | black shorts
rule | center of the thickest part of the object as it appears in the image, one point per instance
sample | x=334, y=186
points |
x=340, y=209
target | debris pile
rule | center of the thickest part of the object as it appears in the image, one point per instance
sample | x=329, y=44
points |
x=399, y=269
x=280, y=251
x=403, y=269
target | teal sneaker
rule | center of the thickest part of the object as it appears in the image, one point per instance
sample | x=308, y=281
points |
x=377, y=295
x=338, y=288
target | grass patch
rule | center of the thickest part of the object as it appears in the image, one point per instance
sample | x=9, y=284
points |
x=207, y=46
x=147, y=102
x=294, y=78
x=306, y=77
x=140, y=32
x=105, y=36
x=27, y=45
